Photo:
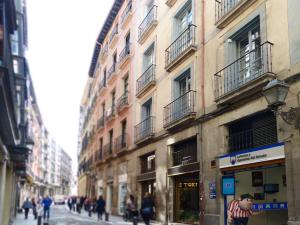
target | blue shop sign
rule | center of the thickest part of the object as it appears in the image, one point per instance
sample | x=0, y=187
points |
x=228, y=185
x=270, y=206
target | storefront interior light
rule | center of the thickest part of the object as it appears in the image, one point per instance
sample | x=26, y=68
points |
x=275, y=93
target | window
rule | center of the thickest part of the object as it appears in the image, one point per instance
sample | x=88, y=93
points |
x=113, y=99
x=148, y=57
x=111, y=134
x=148, y=163
x=124, y=128
x=185, y=152
x=101, y=147
x=183, y=84
x=15, y=43
x=127, y=39
x=184, y=18
x=149, y=6
x=255, y=131
x=115, y=58
x=146, y=109
x=126, y=85
x=103, y=109
x=104, y=77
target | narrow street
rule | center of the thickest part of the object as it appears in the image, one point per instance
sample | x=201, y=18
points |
x=60, y=215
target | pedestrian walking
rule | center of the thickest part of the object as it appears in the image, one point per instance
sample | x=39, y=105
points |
x=131, y=209
x=27, y=205
x=100, y=207
x=34, y=210
x=78, y=204
x=240, y=210
x=147, y=208
x=47, y=203
x=70, y=202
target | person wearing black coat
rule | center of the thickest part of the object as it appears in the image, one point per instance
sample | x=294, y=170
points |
x=100, y=207
x=147, y=208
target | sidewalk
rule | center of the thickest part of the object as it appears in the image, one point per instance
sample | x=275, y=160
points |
x=19, y=220
x=113, y=220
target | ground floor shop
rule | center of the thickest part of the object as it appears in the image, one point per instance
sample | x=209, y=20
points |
x=260, y=172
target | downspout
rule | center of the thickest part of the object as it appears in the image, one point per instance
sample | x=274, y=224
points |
x=202, y=71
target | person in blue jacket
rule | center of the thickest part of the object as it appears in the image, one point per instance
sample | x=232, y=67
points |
x=47, y=203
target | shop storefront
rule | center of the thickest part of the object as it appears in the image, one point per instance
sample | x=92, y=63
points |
x=261, y=173
x=186, y=198
x=122, y=189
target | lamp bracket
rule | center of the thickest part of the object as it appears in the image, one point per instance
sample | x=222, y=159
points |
x=292, y=117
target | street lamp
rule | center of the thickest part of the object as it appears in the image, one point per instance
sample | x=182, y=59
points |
x=275, y=93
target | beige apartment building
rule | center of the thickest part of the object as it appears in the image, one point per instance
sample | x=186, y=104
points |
x=200, y=130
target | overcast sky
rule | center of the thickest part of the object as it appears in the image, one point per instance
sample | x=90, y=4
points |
x=62, y=35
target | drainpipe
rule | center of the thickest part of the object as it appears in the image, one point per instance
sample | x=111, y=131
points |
x=202, y=52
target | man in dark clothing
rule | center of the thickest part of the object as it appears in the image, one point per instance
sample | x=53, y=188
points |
x=100, y=207
x=47, y=203
x=27, y=205
x=147, y=208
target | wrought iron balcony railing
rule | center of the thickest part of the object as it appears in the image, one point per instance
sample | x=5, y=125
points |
x=114, y=32
x=100, y=122
x=121, y=143
x=126, y=12
x=252, y=138
x=98, y=155
x=185, y=40
x=224, y=7
x=122, y=101
x=184, y=156
x=145, y=79
x=247, y=68
x=180, y=108
x=125, y=52
x=144, y=130
x=107, y=150
x=111, y=71
x=147, y=21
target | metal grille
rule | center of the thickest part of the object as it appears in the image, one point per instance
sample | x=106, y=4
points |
x=185, y=153
x=144, y=129
x=253, y=132
x=148, y=20
x=222, y=7
x=145, y=79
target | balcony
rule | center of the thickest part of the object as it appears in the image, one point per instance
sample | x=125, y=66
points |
x=104, y=52
x=180, y=111
x=145, y=81
x=98, y=156
x=144, y=130
x=112, y=73
x=244, y=77
x=100, y=123
x=126, y=15
x=121, y=143
x=147, y=25
x=107, y=151
x=102, y=87
x=184, y=156
x=228, y=10
x=124, y=56
x=114, y=36
x=110, y=114
x=170, y=3
x=182, y=47
x=122, y=102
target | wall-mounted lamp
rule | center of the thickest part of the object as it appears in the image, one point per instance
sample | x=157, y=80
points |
x=275, y=93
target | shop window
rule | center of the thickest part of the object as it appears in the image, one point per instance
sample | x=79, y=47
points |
x=256, y=131
x=185, y=152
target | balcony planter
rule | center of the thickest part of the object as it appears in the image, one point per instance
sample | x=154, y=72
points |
x=180, y=111
x=126, y=15
x=228, y=10
x=170, y=3
x=122, y=103
x=234, y=83
x=183, y=46
x=124, y=56
x=112, y=73
x=144, y=130
x=114, y=36
x=147, y=25
x=145, y=81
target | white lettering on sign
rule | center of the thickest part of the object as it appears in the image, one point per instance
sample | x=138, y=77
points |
x=255, y=156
